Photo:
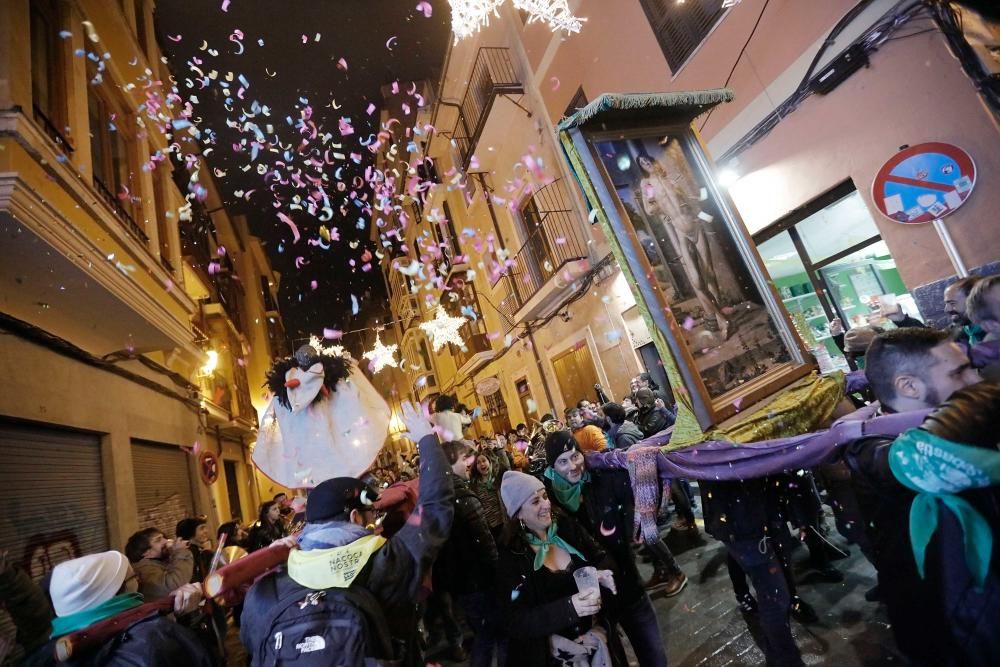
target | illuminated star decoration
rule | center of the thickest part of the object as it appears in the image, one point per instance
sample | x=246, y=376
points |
x=471, y=16
x=443, y=329
x=381, y=355
x=331, y=351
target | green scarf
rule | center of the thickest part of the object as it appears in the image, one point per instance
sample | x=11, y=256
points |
x=937, y=469
x=568, y=495
x=63, y=625
x=543, y=545
x=975, y=334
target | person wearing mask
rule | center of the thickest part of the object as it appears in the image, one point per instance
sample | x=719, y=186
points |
x=542, y=609
x=908, y=369
x=956, y=297
x=269, y=527
x=389, y=570
x=590, y=437
x=603, y=504
x=622, y=433
x=162, y=565
x=466, y=567
x=87, y=590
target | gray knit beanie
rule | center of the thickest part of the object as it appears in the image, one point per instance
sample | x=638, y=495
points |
x=516, y=488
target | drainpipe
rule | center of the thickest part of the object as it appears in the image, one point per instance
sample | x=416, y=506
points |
x=541, y=369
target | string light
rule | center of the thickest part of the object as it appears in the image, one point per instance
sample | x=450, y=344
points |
x=443, y=329
x=381, y=355
x=331, y=351
x=470, y=16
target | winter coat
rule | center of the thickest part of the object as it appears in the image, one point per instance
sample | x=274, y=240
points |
x=652, y=420
x=154, y=641
x=607, y=513
x=627, y=434
x=941, y=619
x=467, y=562
x=591, y=438
x=394, y=572
x=535, y=604
x=26, y=604
x=739, y=510
x=159, y=578
x=262, y=534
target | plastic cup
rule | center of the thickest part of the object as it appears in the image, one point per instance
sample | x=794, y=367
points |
x=586, y=579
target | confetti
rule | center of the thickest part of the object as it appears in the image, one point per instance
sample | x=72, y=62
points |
x=426, y=8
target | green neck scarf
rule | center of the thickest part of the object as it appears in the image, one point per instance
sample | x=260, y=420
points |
x=975, y=334
x=937, y=469
x=543, y=545
x=63, y=625
x=568, y=495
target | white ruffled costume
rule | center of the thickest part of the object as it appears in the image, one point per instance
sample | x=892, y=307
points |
x=338, y=434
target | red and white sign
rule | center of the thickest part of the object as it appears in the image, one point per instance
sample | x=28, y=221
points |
x=924, y=183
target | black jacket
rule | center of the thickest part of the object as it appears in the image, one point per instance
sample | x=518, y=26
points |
x=536, y=604
x=607, y=513
x=154, y=641
x=395, y=571
x=737, y=511
x=467, y=562
x=653, y=420
x=941, y=619
x=263, y=534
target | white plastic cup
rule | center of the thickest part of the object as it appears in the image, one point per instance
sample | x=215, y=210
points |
x=586, y=579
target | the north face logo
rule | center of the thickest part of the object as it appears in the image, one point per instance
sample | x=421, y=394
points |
x=310, y=644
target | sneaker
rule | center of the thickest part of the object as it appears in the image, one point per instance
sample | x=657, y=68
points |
x=747, y=603
x=802, y=611
x=669, y=584
x=684, y=525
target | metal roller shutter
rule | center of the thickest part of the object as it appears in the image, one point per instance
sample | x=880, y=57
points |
x=54, y=494
x=163, y=491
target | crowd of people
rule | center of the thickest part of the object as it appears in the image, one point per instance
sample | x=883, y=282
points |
x=523, y=544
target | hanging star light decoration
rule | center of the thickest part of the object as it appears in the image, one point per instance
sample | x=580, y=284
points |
x=443, y=329
x=331, y=351
x=470, y=16
x=381, y=355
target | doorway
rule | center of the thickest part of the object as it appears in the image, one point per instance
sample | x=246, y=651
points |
x=576, y=374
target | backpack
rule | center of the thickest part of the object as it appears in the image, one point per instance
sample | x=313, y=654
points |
x=335, y=627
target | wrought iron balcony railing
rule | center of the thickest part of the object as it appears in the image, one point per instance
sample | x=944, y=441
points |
x=493, y=75
x=555, y=238
x=123, y=215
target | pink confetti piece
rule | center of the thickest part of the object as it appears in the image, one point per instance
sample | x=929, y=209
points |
x=225, y=5
x=291, y=224
x=426, y=8
x=333, y=334
x=371, y=109
x=555, y=83
x=688, y=323
x=342, y=65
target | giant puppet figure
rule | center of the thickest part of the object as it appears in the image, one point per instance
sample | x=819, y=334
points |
x=325, y=420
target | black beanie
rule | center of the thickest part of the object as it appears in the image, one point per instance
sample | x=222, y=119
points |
x=557, y=443
x=337, y=497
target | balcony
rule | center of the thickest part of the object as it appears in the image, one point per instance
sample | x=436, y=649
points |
x=492, y=76
x=553, y=257
x=123, y=215
x=477, y=353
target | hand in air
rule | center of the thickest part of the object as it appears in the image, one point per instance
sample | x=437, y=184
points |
x=417, y=425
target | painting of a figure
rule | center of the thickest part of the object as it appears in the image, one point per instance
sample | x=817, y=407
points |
x=695, y=261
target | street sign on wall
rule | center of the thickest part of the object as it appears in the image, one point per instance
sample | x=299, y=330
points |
x=924, y=183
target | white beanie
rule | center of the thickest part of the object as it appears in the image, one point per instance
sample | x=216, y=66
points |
x=516, y=488
x=83, y=583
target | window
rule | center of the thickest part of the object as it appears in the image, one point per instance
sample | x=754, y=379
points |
x=109, y=158
x=681, y=26
x=162, y=228
x=46, y=65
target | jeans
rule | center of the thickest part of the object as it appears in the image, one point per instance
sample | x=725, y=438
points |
x=439, y=619
x=663, y=559
x=481, y=613
x=767, y=575
x=682, y=502
x=638, y=620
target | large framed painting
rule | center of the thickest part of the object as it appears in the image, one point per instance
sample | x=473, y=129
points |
x=693, y=265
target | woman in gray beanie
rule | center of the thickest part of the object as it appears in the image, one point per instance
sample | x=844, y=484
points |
x=551, y=621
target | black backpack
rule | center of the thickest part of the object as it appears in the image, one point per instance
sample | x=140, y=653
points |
x=335, y=627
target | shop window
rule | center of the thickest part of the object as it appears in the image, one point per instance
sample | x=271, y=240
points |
x=828, y=261
x=681, y=26
x=46, y=67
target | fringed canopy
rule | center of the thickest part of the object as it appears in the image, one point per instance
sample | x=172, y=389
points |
x=682, y=106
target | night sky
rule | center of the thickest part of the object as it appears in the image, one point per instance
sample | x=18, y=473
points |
x=281, y=72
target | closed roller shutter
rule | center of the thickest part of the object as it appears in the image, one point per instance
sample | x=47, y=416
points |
x=55, y=507
x=163, y=491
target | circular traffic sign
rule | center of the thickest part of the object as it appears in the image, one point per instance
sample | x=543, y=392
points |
x=924, y=183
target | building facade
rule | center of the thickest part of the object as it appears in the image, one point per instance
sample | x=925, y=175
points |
x=138, y=325
x=825, y=93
